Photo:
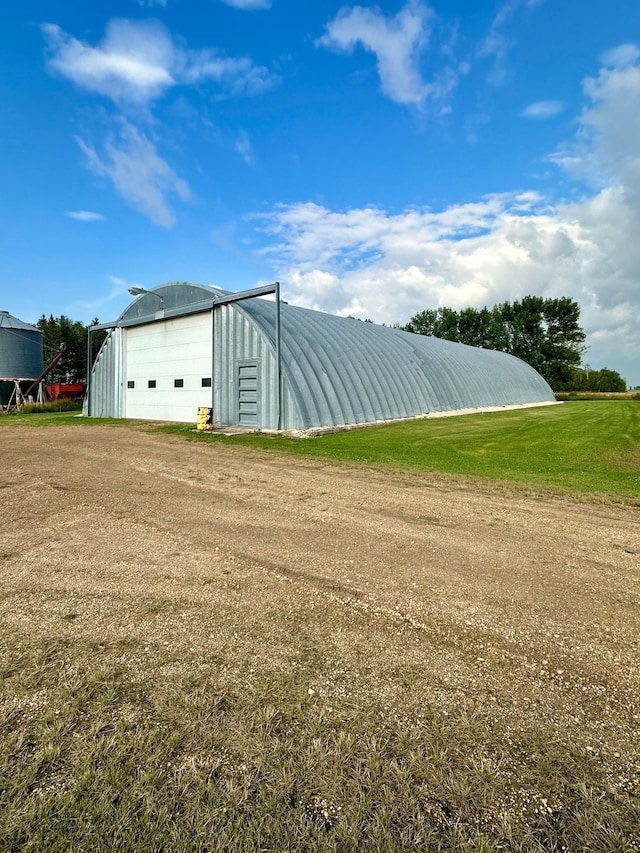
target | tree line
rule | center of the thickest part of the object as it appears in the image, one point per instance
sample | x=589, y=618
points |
x=545, y=333
x=587, y=379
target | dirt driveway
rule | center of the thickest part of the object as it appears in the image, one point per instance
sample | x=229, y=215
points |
x=526, y=606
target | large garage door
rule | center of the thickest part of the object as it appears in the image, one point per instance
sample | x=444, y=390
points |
x=248, y=393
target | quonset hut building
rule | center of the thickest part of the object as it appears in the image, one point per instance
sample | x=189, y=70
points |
x=264, y=364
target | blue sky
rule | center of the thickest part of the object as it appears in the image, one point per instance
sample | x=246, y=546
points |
x=376, y=159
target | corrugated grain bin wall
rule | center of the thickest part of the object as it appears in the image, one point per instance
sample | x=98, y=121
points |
x=20, y=349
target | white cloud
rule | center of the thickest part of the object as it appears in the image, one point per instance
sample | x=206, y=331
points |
x=249, y=4
x=391, y=265
x=85, y=215
x=139, y=61
x=612, y=125
x=543, y=110
x=233, y=76
x=397, y=42
x=373, y=264
x=245, y=148
x=150, y=3
x=607, y=149
x=138, y=173
x=90, y=308
x=497, y=43
x=132, y=64
x=622, y=56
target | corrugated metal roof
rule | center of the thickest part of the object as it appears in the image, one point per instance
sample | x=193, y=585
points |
x=7, y=321
x=345, y=371
x=174, y=298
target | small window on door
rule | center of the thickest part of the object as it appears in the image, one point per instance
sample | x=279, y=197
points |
x=151, y=383
x=131, y=384
x=178, y=383
x=206, y=382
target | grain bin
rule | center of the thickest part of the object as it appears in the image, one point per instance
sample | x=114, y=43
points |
x=20, y=353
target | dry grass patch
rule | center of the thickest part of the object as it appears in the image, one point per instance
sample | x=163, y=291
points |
x=92, y=759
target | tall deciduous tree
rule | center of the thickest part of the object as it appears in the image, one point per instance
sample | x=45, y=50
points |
x=564, y=345
x=543, y=332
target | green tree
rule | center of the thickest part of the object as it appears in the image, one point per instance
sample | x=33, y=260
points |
x=587, y=379
x=476, y=328
x=564, y=344
x=524, y=332
x=423, y=323
x=543, y=332
x=56, y=331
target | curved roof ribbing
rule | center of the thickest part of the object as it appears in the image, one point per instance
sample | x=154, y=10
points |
x=344, y=371
x=176, y=295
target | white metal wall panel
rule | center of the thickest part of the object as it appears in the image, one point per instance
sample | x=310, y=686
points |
x=163, y=352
